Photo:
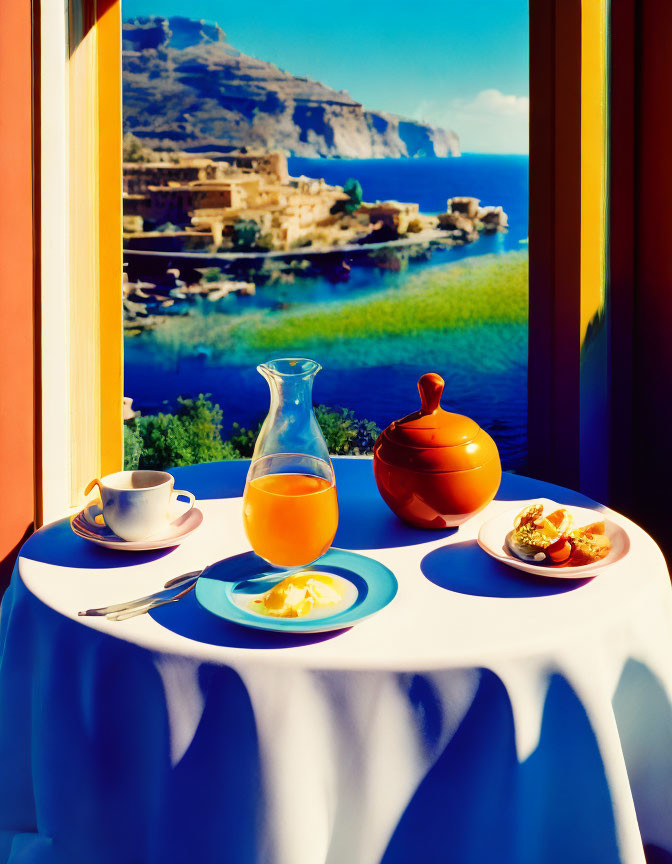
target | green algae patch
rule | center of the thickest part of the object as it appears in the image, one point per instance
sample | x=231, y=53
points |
x=479, y=291
x=485, y=294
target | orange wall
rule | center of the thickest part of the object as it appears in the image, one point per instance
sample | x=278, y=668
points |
x=17, y=366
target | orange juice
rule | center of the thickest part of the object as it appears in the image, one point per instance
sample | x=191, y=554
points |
x=290, y=519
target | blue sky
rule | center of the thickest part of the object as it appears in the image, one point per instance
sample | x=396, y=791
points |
x=462, y=65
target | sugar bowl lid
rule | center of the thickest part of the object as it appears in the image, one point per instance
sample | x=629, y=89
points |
x=433, y=439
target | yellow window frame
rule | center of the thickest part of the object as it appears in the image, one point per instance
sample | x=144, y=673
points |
x=81, y=254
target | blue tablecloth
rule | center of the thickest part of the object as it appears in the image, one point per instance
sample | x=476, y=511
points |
x=482, y=717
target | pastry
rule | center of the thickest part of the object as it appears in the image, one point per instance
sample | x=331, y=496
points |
x=549, y=539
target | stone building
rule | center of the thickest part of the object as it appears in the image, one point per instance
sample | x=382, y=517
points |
x=284, y=213
x=139, y=176
x=212, y=195
x=392, y=214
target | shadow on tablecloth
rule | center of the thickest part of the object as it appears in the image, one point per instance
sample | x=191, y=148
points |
x=480, y=804
x=188, y=618
x=368, y=523
x=466, y=569
x=644, y=719
x=57, y=544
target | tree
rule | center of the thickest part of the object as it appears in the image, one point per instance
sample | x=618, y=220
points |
x=193, y=434
x=353, y=189
x=245, y=233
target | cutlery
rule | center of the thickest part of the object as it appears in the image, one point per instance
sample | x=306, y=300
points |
x=147, y=607
x=172, y=583
x=176, y=582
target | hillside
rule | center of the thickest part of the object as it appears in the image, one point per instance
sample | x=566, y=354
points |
x=186, y=87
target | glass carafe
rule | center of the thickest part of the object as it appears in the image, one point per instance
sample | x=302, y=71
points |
x=290, y=508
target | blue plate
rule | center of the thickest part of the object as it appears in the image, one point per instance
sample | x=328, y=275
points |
x=375, y=585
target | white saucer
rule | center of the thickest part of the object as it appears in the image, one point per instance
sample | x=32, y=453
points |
x=492, y=538
x=178, y=529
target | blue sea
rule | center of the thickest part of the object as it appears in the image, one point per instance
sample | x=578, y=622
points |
x=485, y=367
x=430, y=182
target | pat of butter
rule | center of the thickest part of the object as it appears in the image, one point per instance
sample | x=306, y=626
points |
x=299, y=594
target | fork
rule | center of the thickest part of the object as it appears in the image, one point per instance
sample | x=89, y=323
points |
x=147, y=607
x=176, y=582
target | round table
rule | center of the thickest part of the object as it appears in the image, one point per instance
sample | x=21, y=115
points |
x=482, y=716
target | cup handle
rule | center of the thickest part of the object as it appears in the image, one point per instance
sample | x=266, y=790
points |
x=186, y=494
x=93, y=483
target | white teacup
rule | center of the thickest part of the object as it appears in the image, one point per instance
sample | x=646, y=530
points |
x=137, y=504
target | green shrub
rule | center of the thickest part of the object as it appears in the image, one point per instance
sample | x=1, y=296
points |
x=337, y=429
x=245, y=233
x=344, y=433
x=193, y=434
x=132, y=446
x=243, y=440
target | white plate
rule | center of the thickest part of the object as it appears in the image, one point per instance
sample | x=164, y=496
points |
x=178, y=529
x=493, y=534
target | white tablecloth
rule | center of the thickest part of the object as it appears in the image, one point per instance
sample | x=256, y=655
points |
x=481, y=717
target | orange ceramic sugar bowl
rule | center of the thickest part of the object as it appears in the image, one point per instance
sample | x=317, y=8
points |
x=435, y=469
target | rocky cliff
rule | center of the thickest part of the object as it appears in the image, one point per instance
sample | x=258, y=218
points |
x=186, y=87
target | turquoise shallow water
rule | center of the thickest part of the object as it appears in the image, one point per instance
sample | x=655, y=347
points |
x=485, y=366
